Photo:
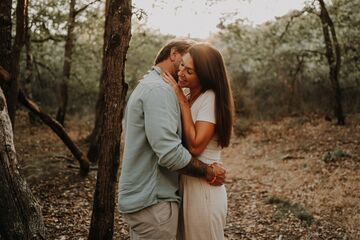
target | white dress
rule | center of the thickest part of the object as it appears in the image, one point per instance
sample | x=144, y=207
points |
x=204, y=207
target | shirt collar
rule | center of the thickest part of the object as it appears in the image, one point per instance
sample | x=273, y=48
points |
x=157, y=69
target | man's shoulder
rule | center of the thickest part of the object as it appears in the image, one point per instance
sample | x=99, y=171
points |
x=153, y=82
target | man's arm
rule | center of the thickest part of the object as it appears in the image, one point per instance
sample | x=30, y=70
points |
x=161, y=123
x=161, y=119
x=214, y=173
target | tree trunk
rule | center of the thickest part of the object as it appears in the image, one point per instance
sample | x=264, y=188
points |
x=5, y=34
x=29, y=71
x=333, y=55
x=12, y=92
x=20, y=215
x=69, y=47
x=93, y=152
x=58, y=129
x=118, y=34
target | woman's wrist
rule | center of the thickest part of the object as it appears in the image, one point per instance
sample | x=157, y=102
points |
x=183, y=102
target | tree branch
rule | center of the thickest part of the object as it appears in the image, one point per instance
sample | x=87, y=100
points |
x=58, y=38
x=4, y=75
x=54, y=125
x=58, y=129
x=46, y=67
x=296, y=15
x=85, y=7
x=292, y=17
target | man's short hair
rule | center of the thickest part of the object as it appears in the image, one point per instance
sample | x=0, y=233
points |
x=181, y=45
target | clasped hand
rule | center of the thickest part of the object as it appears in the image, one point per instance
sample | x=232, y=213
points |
x=216, y=174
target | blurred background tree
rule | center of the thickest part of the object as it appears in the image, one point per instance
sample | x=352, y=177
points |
x=278, y=68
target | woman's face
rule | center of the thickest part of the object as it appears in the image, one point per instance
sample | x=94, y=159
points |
x=187, y=75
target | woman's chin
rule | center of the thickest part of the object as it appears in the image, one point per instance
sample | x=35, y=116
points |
x=182, y=84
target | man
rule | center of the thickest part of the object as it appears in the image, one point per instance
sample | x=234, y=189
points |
x=154, y=155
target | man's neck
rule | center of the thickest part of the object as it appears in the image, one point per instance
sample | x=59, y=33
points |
x=166, y=66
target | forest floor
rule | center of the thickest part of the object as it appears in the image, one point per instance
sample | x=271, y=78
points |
x=294, y=178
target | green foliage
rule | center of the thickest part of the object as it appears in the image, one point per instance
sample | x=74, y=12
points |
x=49, y=20
x=334, y=156
x=281, y=65
x=144, y=45
x=277, y=68
x=284, y=207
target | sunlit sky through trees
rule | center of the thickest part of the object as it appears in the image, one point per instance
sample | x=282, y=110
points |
x=198, y=18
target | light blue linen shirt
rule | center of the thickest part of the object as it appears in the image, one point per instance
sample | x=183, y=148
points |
x=153, y=150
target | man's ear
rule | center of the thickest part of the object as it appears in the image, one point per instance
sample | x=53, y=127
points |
x=173, y=54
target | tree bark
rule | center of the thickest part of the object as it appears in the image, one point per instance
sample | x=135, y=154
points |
x=5, y=34
x=93, y=152
x=333, y=55
x=20, y=214
x=118, y=34
x=29, y=71
x=12, y=92
x=69, y=47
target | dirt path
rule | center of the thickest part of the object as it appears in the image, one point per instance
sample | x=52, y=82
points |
x=293, y=179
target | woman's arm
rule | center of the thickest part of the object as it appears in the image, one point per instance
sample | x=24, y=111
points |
x=198, y=135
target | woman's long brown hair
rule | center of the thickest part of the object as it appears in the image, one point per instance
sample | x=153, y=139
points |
x=211, y=72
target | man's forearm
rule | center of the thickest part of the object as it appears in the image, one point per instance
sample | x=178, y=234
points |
x=195, y=168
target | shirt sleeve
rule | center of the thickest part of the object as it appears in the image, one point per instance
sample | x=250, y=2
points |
x=207, y=108
x=161, y=117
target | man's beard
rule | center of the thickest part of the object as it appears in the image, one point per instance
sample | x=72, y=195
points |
x=175, y=75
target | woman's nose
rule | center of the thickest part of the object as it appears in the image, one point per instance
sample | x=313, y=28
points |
x=180, y=73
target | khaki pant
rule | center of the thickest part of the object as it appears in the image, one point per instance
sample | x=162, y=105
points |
x=159, y=221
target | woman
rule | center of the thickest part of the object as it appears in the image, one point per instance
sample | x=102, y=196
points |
x=207, y=115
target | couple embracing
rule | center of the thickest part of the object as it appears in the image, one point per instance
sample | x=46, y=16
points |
x=177, y=120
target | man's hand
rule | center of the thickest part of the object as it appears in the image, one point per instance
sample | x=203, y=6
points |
x=215, y=174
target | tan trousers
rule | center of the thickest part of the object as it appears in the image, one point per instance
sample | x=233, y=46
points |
x=159, y=221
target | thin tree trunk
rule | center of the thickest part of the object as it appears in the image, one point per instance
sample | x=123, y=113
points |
x=118, y=25
x=29, y=71
x=69, y=47
x=20, y=214
x=333, y=55
x=12, y=91
x=5, y=34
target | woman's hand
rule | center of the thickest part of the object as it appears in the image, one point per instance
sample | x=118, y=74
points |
x=217, y=175
x=177, y=89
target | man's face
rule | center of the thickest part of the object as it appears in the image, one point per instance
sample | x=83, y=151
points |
x=176, y=65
